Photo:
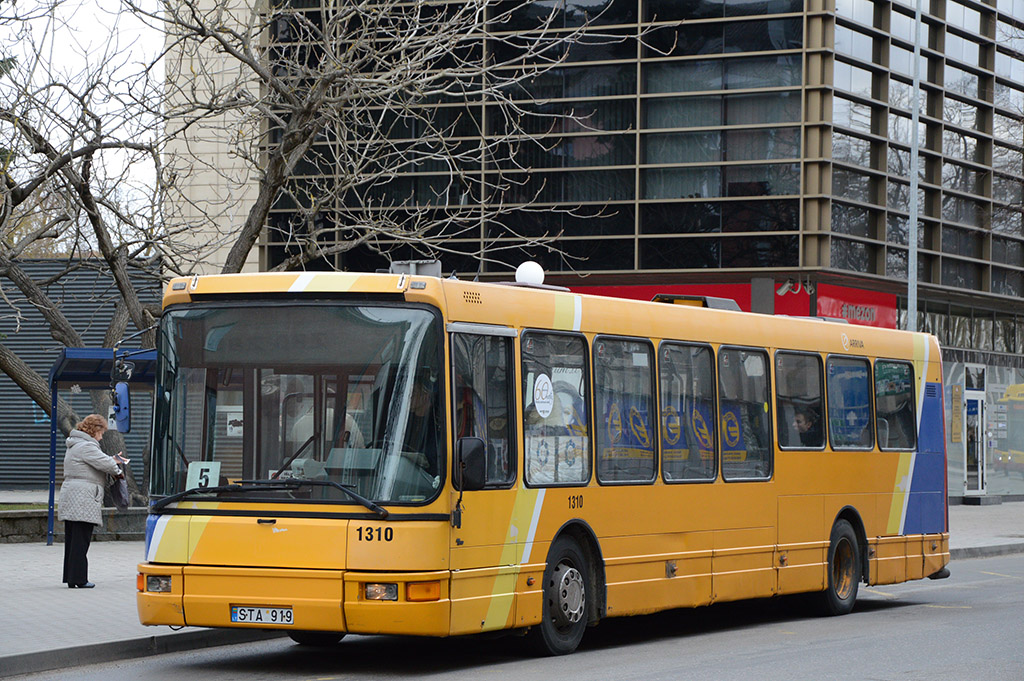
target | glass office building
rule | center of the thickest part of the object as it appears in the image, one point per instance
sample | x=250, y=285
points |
x=735, y=141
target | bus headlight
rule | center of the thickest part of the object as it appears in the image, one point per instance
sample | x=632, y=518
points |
x=382, y=592
x=158, y=583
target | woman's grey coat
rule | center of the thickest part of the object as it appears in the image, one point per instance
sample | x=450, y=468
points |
x=86, y=468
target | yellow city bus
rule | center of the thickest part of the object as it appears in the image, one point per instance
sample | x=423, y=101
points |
x=405, y=454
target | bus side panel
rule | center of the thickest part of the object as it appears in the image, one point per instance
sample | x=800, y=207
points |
x=889, y=566
x=483, y=599
x=743, y=563
x=802, y=550
x=655, y=572
x=926, y=510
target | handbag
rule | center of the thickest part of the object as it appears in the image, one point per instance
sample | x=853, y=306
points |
x=119, y=493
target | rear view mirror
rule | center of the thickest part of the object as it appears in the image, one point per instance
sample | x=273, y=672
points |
x=120, y=416
x=470, y=464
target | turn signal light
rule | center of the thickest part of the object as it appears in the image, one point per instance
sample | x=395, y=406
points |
x=423, y=591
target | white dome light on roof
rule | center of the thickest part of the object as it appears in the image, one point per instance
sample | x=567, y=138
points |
x=530, y=273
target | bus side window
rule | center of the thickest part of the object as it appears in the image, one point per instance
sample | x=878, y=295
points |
x=894, y=405
x=556, y=415
x=482, y=388
x=849, y=403
x=745, y=428
x=799, y=403
x=687, y=376
x=624, y=386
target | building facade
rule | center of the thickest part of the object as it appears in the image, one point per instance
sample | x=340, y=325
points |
x=764, y=146
x=87, y=298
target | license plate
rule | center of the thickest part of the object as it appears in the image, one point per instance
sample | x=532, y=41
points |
x=246, y=615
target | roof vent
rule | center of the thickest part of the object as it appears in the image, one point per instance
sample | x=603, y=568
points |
x=426, y=268
x=697, y=301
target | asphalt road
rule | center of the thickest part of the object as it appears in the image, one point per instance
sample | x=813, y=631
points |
x=968, y=626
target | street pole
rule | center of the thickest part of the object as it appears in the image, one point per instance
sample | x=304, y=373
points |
x=915, y=143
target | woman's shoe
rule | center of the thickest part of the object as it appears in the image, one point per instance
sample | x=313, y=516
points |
x=87, y=585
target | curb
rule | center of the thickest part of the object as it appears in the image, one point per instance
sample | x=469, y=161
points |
x=112, y=651
x=986, y=551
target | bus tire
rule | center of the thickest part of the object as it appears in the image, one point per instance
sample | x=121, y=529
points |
x=844, y=571
x=565, y=609
x=316, y=639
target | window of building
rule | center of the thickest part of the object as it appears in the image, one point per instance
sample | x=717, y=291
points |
x=680, y=254
x=862, y=11
x=962, y=50
x=962, y=274
x=762, y=180
x=799, y=400
x=681, y=183
x=1007, y=128
x=744, y=414
x=851, y=149
x=762, y=144
x=1008, y=283
x=964, y=17
x=902, y=26
x=626, y=439
x=850, y=184
x=850, y=114
x=762, y=107
x=687, y=378
x=854, y=43
x=849, y=403
x=852, y=256
x=960, y=81
x=852, y=79
x=683, y=112
x=1008, y=251
x=852, y=220
x=895, y=414
x=556, y=417
x=483, y=381
x=760, y=251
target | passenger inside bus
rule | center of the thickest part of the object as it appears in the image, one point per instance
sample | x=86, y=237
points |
x=808, y=427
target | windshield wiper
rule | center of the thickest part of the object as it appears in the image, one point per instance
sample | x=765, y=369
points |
x=295, y=483
x=160, y=503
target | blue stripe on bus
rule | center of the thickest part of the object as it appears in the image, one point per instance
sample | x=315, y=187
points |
x=926, y=510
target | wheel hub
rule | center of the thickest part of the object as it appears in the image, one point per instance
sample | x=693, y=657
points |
x=570, y=595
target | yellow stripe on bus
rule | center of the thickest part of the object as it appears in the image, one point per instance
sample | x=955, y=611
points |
x=524, y=510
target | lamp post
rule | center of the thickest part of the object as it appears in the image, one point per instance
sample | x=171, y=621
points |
x=915, y=143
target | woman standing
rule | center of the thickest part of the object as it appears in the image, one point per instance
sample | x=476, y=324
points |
x=86, y=468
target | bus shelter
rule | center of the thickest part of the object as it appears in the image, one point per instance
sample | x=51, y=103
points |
x=92, y=369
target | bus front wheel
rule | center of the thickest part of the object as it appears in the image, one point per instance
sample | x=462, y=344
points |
x=316, y=639
x=564, y=616
x=844, y=570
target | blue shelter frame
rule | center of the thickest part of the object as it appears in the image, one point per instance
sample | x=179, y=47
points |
x=90, y=369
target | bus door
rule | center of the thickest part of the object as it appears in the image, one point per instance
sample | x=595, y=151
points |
x=486, y=530
x=976, y=441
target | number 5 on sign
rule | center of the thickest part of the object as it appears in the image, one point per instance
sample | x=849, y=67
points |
x=202, y=474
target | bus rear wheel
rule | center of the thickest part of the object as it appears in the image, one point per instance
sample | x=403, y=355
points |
x=316, y=639
x=844, y=570
x=564, y=617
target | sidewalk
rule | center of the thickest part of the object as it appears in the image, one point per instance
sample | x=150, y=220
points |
x=44, y=625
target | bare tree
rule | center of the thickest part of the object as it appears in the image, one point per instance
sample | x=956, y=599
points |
x=75, y=146
x=365, y=121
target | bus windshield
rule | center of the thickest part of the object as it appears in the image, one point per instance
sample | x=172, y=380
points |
x=346, y=394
